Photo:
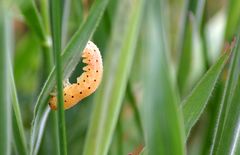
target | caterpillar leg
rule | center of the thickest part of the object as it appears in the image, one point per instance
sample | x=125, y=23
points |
x=53, y=99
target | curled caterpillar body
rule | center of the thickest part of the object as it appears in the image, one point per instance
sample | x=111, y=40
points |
x=87, y=83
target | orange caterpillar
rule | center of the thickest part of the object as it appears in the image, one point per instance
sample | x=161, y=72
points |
x=87, y=83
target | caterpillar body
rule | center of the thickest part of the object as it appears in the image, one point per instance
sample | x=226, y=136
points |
x=87, y=83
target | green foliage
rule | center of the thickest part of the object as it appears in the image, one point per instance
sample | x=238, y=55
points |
x=110, y=96
x=164, y=136
x=160, y=93
x=56, y=27
x=195, y=103
x=227, y=105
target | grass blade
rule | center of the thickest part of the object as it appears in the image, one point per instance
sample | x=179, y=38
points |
x=233, y=19
x=185, y=57
x=227, y=97
x=39, y=26
x=195, y=103
x=133, y=104
x=5, y=104
x=237, y=142
x=111, y=93
x=231, y=129
x=17, y=124
x=46, y=44
x=192, y=57
x=70, y=58
x=33, y=19
x=56, y=8
x=185, y=45
x=162, y=121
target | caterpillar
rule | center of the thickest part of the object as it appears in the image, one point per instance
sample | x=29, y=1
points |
x=87, y=83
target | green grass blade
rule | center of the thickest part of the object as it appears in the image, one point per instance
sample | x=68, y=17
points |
x=185, y=57
x=133, y=104
x=185, y=45
x=119, y=136
x=56, y=8
x=38, y=129
x=17, y=124
x=70, y=58
x=44, y=10
x=78, y=11
x=47, y=64
x=231, y=129
x=65, y=21
x=195, y=103
x=233, y=19
x=5, y=104
x=46, y=44
x=189, y=32
x=237, y=142
x=110, y=95
x=202, y=19
x=227, y=96
x=32, y=17
x=40, y=27
x=162, y=121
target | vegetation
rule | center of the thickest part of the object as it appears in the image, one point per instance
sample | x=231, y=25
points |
x=171, y=83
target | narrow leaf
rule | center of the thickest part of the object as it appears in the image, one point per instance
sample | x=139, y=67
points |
x=230, y=84
x=5, y=104
x=162, y=121
x=32, y=17
x=133, y=104
x=185, y=45
x=17, y=124
x=195, y=103
x=56, y=27
x=233, y=19
x=231, y=129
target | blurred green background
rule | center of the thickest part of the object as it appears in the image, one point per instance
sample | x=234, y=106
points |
x=170, y=86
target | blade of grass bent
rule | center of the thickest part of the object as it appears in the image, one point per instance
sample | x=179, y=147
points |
x=70, y=58
x=110, y=95
x=195, y=103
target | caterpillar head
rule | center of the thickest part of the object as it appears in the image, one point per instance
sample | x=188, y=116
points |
x=52, y=102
